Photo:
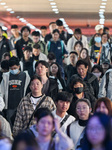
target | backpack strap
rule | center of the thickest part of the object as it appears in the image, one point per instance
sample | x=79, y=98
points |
x=68, y=130
x=107, y=81
x=91, y=79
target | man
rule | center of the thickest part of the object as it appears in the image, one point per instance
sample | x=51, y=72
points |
x=43, y=32
x=71, y=68
x=57, y=46
x=63, y=34
x=36, y=40
x=25, y=31
x=5, y=45
x=29, y=103
x=77, y=37
x=91, y=82
x=13, y=87
x=63, y=101
x=15, y=34
x=105, y=89
x=52, y=26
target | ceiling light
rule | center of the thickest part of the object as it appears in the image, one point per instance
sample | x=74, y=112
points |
x=55, y=9
x=5, y=6
x=103, y=3
x=56, y=12
x=3, y=3
x=102, y=16
x=102, y=6
x=104, y=0
x=102, y=10
x=52, y=3
x=9, y=9
x=51, y=0
x=12, y=12
x=54, y=6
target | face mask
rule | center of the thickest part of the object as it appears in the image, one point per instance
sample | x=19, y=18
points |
x=97, y=39
x=15, y=71
x=97, y=74
x=78, y=90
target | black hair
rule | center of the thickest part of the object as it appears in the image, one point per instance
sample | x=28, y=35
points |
x=28, y=48
x=43, y=27
x=99, y=68
x=73, y=52
x=44, y=63
x=43, y=112
x=105, y=34
x=75, y=81
x=5, y=64
x=25, y=27
x=35, y=77
x=83, y=100
x=55, y=30
x=26, y=138
x=104, y=119
x=77, y=31
x=14, y=26
x=59, y=70
x=78, y=42
x=5, y=55
x=1, y=28
x=13, y=61
x=105, y=28
x=36, y=46
x=51, y=56
x=52, y=23
x=59, y=23
x=64, y=96
x=81, y=62
x=35, y=33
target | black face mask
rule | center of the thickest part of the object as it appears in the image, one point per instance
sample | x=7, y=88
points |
x=78, y=90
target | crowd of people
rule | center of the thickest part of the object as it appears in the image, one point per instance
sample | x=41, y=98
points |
x=55, y=89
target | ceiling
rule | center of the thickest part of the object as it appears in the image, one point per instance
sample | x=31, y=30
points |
x=83, y=13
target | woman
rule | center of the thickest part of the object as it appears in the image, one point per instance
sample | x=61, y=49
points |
x=45, y=126
x=79, y=91
x=50, y=86
x=76, y=129
x=96, y=48
x=55, y=72
x=103, y=105
x=78, y=46
x=85, y=56
x=96, y=133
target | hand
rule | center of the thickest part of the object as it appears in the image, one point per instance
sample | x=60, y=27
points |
x=57, y=125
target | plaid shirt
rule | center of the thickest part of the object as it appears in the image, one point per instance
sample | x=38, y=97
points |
x=25, y=110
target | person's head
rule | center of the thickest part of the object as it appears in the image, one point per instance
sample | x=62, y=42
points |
x=84, y=53
x=5, y=65
x=103, y=105
x=24, y=141
x=97, y=38
x=14, y=65
x=45, y=122
x=36, y=49
x=42, y=68
x=78, y=46
x=96, y=133
x=43, y=30
x=14, y=29
x=106, y=30
x=82, y=68
x=55, y=34
x=1, y=31
x=51, y=58
x=36, y=85
x=105, y=38
x=59, y=25
x=73, y=57
x=52, y=26
x=25, y=31
x=97, y=71
x=6, y=56
x=55, y=70
x=63, y=101
x=27, y=52
x=83, y=108
x=35, y=36
x=78, y=33
x=77, y=86
x=99, y=29
x=106, y=65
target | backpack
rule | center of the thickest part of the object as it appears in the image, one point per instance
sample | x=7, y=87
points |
x=62, y=46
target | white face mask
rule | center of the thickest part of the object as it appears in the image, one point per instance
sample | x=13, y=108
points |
x=97, y=74
x=15, y=71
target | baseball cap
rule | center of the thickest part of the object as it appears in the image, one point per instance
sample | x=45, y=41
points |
x=98, y=27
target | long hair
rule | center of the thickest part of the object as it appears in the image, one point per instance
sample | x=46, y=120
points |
x=58, y=75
